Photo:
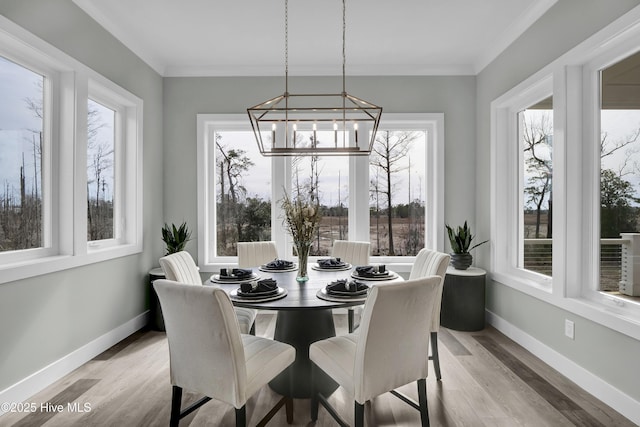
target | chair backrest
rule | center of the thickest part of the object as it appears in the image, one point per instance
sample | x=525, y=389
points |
x=204, y=358
x=392, y=341
x=254, y=254
x=432, y=263
x=180, y=267
x=355, y=253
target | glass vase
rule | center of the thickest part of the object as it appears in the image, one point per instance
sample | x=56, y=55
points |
x=303, y=249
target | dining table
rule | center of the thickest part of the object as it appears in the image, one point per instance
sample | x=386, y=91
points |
x=304, y=315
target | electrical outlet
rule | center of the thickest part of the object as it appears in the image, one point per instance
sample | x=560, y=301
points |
x=568, y=328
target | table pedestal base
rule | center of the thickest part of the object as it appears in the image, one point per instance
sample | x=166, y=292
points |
x=300, y=328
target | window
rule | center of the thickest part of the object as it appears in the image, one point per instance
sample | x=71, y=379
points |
x=619, y=170
x=590, y=158
x=243, y=191
x=523, y=155
x=100, y=171
x=535, y=134
x=22, y=143
x=230, y=162
x=70, y=161
x=329, y=176
x=397, y=175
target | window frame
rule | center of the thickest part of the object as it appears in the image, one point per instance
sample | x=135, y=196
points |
x=433, y=123
x=64, y=168
x=507, y=197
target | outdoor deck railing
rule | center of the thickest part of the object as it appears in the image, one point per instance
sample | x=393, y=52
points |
x=619, y=261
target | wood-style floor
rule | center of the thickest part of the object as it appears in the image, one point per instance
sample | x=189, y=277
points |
x=487, y=380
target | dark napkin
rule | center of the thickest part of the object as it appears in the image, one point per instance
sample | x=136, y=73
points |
x=330, y=263
x=344, y=287
x=263, y=286
x=279, y=264
x=372, y=271
x=237, y=273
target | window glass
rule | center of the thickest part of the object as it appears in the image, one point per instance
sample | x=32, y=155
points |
x=535, y=129
x=397, y=193
x=243, y=191
x=329, y=179
x=100, y=171
x=619, y=164
x=21, y=148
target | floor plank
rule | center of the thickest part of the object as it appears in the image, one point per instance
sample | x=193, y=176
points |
x=487, y=380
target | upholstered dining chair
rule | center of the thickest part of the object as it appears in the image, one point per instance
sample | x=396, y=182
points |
x=387, y=352
x=208, y=354
x=254, y=254
x=180, y=267
x=432, y=263
x=355, y=253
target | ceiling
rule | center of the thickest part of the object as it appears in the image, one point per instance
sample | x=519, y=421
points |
x=246, y=37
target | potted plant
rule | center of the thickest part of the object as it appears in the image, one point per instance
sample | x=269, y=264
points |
x=460, y=239
x=175, y=238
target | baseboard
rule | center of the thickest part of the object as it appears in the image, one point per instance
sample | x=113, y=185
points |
x=593, y=384
x=46, y=376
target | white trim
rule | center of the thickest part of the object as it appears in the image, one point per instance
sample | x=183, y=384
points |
x=46, y=376
x=618, y=400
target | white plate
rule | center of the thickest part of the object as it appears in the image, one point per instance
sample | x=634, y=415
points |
x=322, y=294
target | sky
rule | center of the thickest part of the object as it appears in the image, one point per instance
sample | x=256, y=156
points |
x=17, y=122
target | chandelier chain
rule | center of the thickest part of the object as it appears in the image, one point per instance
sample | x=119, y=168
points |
x=286, y=45
x=344, y=54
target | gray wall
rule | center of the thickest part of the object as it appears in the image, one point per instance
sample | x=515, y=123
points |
x=47, y=317
x=604, y=352
x=184, y=97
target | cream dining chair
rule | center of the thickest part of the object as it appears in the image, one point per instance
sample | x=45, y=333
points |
x=355, y=253
x=432, y=263
x=254, y=254
x=387, y=352
x=216, y=361
x=180, y=267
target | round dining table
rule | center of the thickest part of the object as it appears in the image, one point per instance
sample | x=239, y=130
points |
x=302, y=318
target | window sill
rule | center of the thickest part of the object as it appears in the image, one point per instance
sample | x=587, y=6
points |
x=51, y=264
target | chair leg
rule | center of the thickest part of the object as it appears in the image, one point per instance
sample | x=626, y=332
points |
x=358, y=414
x=288, y=404
x=422, y=402
x=350, y=319
x=176, y=400
x=434, y=355
x=241, y=416
x=314, y=393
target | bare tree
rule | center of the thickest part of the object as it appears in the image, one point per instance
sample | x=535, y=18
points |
x=537, y=138
x=99, y=162
x=232, y=164
x=388, y=155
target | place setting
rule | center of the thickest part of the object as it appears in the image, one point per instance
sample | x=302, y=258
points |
x=373, y=272
x=234, y=275
x=344, y=290
x=258, y=291
x=279, y=266
x=331, y=264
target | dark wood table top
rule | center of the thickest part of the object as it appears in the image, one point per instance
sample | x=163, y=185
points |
x=300, y=296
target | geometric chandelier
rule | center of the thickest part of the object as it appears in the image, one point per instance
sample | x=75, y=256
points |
x=317, y=124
